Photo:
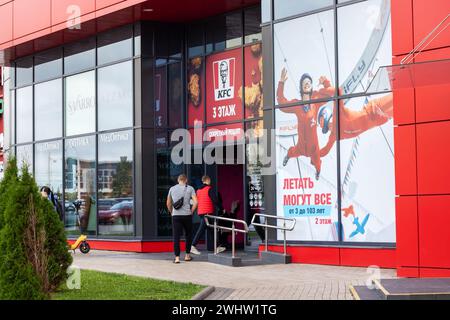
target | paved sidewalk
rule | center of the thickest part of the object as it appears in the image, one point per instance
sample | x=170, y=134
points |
x=271, y=282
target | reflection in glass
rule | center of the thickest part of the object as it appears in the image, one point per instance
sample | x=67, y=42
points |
x=224, y=32
x=195, y=40
x=48, y=109
x=47, y=65
x=80, y=186
x=24, y=155
x=24, y=110
x=266, y=9
x=115, y=45
x=80, y=103
x=48, y=164
x=369, y=22
x=304, y=68
x=115, y=96
x=79, y=56
x=175, y=88
x=286, y=8
x=252, y=22
x=24, y=71
x=115, y=183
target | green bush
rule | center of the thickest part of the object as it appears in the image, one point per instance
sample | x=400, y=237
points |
x=9, y=178
x=33, y=248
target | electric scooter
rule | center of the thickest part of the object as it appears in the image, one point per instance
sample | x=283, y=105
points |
x=82, y=239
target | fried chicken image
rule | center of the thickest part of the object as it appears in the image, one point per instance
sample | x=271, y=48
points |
x=256, y=49
x=253, y=98
x=196, y=63
x=194, y=89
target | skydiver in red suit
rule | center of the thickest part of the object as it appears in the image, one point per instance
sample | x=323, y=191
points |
x=307, y=141
x=354, y=122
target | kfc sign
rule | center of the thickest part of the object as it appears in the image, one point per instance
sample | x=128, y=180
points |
x=224, y=86
x=224, y=79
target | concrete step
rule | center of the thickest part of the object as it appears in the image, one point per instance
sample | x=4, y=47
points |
x=364, y=293
x=414, y=289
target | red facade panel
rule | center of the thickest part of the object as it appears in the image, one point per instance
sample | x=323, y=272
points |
x=405, y=160
x=63, y=10
x=30, y=18
x=407, y=272
x=432, y=103
x=383, y=258
x=6, y=11
x=434, y=273
x=407, y=231
x=402, y=26
x=427, y=15
x=311, y=255
x=433, y=153
x=404, y=110
x=434, y=238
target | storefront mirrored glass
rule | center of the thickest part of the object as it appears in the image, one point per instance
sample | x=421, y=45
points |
x=80, y=201
x=115, y=96
x=115, y=45
x=24, y=71
x=24, y=114
x=80, y=103
x=287, y=8
x=79, y=56
x=47, y=65
x=48, y=110
x=49, y=166
x=252, y=22
x=24, y=156
x=115, y=183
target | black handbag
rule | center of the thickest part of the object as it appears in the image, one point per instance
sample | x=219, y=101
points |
x=179, y=203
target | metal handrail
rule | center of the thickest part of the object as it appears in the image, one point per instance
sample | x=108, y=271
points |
x=232, y=229
x=424, y=43
x=284, y=228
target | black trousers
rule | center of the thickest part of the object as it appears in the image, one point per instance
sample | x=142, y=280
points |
x=180, y=223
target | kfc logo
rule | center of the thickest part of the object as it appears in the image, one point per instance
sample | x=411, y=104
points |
x=224, y=74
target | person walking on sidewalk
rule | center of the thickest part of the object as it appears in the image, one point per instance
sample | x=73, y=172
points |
x=178, y=204
x=208, y=204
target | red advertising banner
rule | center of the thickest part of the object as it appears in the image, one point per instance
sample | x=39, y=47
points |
x=253, y=81
x=226, y=132
x=196, y=91
x=223, y=81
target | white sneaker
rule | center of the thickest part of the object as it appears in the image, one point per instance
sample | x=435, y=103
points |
x=221, y=249
x=194, y=250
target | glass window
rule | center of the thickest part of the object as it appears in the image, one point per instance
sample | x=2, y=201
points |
x=266, y=9
x=175, y=91
x=80, y=103
x=252, y=22
x=79, y=56
x=48, y=109
x=48, y=164
x=369, y=22
x=224, y=32
x=253, y=80
x=367, y=168
x=161, y=95
x=24, y=155
x=286, y=8
x=24, y=71
x=115, y=96
x=195, y=40
x=304, y=68
x=115, y=45
x=47, y=65
x=24, y=110
x=80, y=186
x=13, y=117
x=115, y=183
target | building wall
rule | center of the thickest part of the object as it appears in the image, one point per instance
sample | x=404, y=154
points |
x=423, y=131
x=44, y=17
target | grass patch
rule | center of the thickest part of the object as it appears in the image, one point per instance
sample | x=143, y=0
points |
x=112, y=286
